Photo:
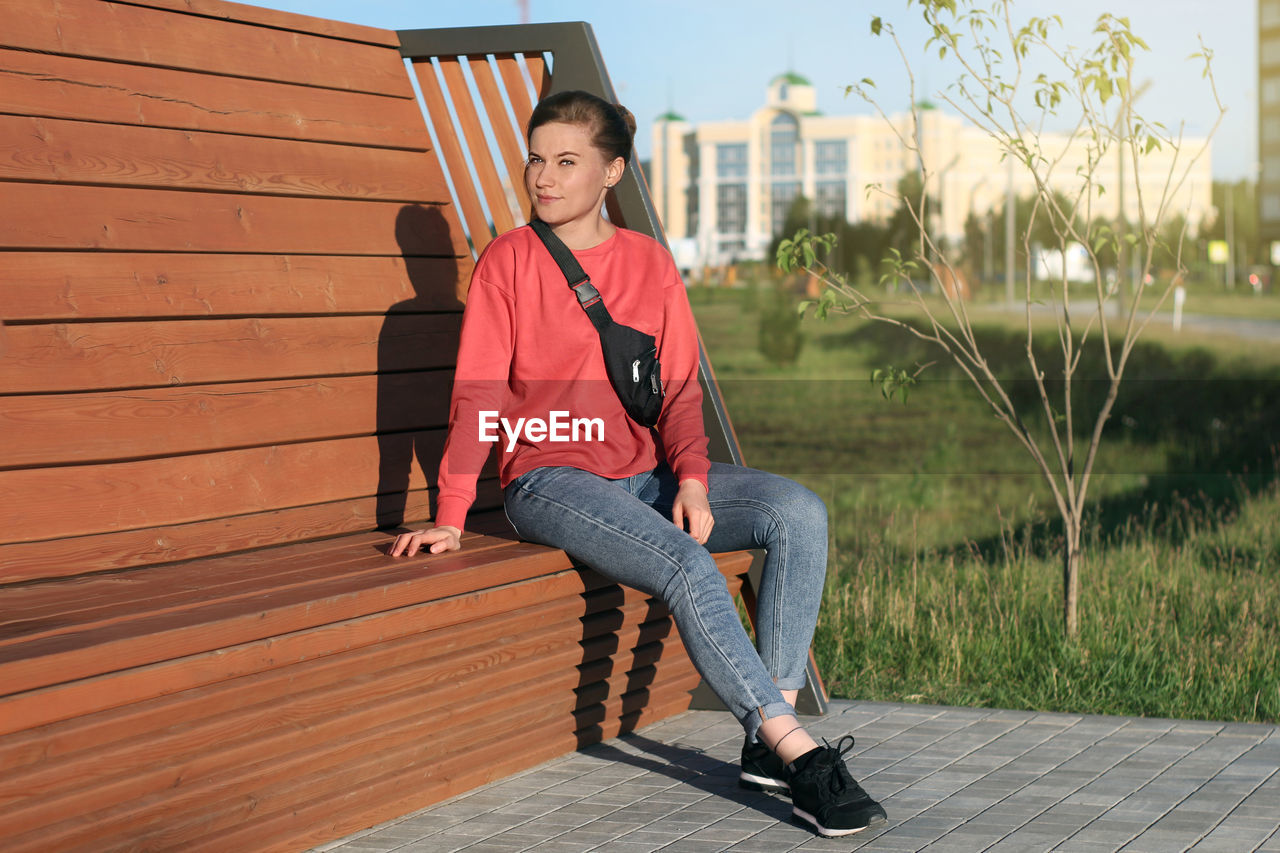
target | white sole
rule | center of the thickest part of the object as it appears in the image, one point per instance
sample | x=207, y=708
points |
x=830, y=833
x=763, y=783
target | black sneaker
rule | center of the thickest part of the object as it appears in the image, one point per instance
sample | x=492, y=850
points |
x=762, y=769
x=826, y=795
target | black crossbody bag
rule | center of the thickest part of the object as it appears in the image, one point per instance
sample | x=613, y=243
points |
x=630, y=355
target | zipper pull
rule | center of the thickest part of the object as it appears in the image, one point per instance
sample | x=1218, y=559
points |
x=635, y=371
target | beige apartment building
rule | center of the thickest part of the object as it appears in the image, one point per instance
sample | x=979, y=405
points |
x=1269, y=129
x=723, y=188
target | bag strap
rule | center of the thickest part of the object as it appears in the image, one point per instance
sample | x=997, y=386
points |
x=588, y=297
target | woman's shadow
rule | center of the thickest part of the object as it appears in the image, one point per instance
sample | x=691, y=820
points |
x=690, y=766
x=416, y=349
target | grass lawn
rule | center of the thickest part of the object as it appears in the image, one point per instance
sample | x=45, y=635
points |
x=1201, y=299
x=1240, y=303
x=945, y=579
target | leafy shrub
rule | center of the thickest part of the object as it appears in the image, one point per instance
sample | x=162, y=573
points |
x=781, y=337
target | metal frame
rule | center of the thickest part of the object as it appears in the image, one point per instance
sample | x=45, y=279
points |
x=578, y=64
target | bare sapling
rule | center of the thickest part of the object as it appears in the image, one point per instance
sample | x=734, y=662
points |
x=1092, y=94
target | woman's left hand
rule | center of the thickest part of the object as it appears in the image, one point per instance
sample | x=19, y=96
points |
x=692, y=512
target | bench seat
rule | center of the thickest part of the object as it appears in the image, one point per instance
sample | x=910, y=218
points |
x=291, y=695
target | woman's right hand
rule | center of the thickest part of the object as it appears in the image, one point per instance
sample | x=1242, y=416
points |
x=437, y=540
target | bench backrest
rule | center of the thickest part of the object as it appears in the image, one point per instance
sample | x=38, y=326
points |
x=230, y=283
x=233, y=268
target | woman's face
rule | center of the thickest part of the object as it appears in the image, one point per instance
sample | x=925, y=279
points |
x=566, y=175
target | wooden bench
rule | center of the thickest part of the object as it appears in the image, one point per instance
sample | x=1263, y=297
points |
x=231, y=286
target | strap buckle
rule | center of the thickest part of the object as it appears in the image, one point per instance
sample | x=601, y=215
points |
x=586, y=293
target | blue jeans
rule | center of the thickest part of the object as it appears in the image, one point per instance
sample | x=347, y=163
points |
x=623, y=529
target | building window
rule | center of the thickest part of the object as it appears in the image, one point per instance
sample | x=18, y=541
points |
x=1271, y=207
x=1269, y=53
x=783, y=195
x=829, y=198
x=692, y=152
x=731, y=209
x=1271, y=169
x=830, y=157
x=1269, y=14
x=731, y=160
x=784, y=136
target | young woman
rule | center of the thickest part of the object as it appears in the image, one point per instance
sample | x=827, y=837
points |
x=642, y=506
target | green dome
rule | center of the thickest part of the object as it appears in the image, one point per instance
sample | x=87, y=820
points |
x=670, y=115
x=791, y=78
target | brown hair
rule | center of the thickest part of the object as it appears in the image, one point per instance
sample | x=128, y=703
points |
x=611, y=127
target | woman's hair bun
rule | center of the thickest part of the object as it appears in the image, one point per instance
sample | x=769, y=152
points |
x=628, y=118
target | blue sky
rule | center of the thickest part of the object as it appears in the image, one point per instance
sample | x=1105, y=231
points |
x=712, y=59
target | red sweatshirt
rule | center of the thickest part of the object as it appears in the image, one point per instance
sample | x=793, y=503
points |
x=531, y=377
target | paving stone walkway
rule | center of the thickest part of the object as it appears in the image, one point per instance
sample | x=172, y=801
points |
x=951, y=779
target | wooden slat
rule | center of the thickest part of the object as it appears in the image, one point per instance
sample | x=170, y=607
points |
x=455, y=163
x=77, y=555
x=74, y=217
x=148, y=354
x=59, y=151
x=338, y=744
x=83, y=499
x=96, y=427
x=361, y=580
x=155, y=37
x=494, y=758
x=178, y=751
x=546, y=579
x=123, y=690
x=207, y=808
x=627, y=637
x=582, y=630
x=88, y=604
x=38, y=612
x=69, y=700
x=518, y=648
x=277, y=20
x=165, y=636
x=266, y=679
x=125, y=549
x=624, y=664
x=513, y=155
x=538, y=73
x=405, y=791
x=38, y=84
x=357, y=761
x=177, y=716
x=510, y=67
x=481, y=157
x=82, y=285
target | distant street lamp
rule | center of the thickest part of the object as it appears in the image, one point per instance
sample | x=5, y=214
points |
x=1009, y=209
x=1126, y=104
